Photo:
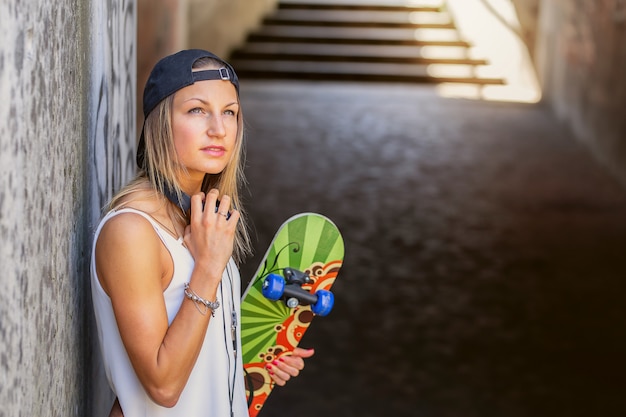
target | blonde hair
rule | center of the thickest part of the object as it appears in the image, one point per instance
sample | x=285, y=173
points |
x=163, y=168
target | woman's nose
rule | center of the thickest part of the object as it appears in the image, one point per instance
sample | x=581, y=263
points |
x=216, y=126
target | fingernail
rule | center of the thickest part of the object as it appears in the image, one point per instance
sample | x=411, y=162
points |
x=268, y=367
x=275, y=362
x=270, y=372
x=281, y=359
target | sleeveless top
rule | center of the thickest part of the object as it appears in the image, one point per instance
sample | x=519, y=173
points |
x=215, y=386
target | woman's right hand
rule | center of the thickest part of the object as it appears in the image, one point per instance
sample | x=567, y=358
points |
x=210, y=235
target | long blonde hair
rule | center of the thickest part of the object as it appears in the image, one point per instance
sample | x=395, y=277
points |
x=163, y=168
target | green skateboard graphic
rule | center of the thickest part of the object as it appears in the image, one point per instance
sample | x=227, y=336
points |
x=290, y=287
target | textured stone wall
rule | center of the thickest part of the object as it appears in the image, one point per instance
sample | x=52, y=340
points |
x=111, y=109
x=581, y=61
x=42, y=200
x=67, y=131
x=111, y=106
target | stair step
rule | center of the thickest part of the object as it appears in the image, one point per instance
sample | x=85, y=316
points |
x=356, y=53
x=360, y=18
x=361, y=40
x=383, y=36
x=374, y=5
x=371, y=71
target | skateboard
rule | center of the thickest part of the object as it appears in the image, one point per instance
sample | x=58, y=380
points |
x=290, y=288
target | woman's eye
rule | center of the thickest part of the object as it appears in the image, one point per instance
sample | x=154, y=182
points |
x=195, y=110
x=230, y=112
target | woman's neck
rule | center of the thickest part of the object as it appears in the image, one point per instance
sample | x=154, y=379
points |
x=190, y=186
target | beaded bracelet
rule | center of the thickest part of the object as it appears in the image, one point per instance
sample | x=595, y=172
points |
x=197, y=300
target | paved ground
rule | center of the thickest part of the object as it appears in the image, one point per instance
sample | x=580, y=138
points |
x=486, y=253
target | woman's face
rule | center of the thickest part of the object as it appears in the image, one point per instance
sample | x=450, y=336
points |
x=204, y=125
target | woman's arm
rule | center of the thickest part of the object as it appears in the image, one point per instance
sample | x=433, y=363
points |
x=133, y=264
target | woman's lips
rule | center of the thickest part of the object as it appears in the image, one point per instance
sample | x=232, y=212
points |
x=214, y=150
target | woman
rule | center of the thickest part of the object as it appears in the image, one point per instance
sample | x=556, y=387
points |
x=165, y=284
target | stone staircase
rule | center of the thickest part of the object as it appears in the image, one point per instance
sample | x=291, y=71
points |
x=360, y=40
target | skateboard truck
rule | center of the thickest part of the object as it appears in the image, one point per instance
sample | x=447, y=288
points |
x=289, y=288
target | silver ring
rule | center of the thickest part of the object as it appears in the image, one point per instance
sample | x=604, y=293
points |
x=223, y=214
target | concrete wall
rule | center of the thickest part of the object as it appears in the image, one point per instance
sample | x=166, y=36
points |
x=222, y=25
x=161, y=30
x=581, y=62
x=111, y=108
x=528, y=15
x=66, y=137
x=42, y=200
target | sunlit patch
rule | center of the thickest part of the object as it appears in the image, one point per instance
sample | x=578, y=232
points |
x=447, y=52
x=449, y=71
x=424, y=3
x=499, y=43
x=429, y=18
x=428, y=34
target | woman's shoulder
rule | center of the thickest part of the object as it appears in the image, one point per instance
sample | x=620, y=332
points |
x=126, y=248
x=127, y=227
x=133, y=216
x=137, y=200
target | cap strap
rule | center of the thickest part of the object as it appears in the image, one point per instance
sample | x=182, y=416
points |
x=215, y=74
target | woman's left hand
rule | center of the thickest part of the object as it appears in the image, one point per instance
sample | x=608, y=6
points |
x=288, y=366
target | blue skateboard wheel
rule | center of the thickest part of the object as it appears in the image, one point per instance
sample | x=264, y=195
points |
x=273, y=287
x=325, y=302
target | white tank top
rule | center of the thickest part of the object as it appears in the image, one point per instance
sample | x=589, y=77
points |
x=216, y=381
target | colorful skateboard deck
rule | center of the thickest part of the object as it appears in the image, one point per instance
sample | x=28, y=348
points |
x=308, y=243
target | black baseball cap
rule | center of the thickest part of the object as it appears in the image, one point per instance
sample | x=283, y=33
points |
x=171, y=74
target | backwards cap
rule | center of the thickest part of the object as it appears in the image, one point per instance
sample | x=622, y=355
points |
x=171, y=74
